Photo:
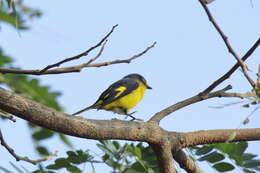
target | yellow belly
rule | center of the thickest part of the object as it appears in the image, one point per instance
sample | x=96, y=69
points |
x=129, y=101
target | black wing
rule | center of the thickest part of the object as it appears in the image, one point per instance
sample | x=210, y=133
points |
x=113, y=93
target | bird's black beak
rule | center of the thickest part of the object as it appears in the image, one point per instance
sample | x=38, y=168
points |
x=148, y=87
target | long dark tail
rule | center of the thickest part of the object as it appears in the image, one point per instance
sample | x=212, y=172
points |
x=83, y=110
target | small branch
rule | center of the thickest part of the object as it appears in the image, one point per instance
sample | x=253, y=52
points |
x=7, y=116
x=76, y=68
x=26, y=159
x=227, y=43
x=186, y=162
x=232, y=70
x=219, y=136
x=239, y=95
x=162, y=114
x=79, y=67
x=99, y=53
x=85, y=53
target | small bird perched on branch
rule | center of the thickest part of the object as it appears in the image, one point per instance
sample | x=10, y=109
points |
x=121, y=96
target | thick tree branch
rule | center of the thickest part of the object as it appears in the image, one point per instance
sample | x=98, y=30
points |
x=26, y=159
x=232, y=70
x=219, y=136
x=162, y=114
x=227, y=43
x=85, y=53
x=77, y=126
x=76, y=68
x=116, y=129
x=186, y=162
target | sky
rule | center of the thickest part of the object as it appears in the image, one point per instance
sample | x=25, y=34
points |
x=188, y=57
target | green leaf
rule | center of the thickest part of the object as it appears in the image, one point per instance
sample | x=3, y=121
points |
x=248, y=156
x=251, y=163
x=73, y=169
x=59, y=163
x=65, y=139
x=78, y=157
x=42, y=134
x=212, y=157
x=233, y=150
x=248, y=171
x=204, y=150
x=13, y=20
x=42, y=150
x=223, y=167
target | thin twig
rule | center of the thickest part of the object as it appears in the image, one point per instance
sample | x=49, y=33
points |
x=99, y=53
x=258, y=79
x=231, y=71
x=7, y=116
x=79, y=67
x=26, y=159
x=85, y=53
x=76, y=68
x=163, y=113
x=227, y=43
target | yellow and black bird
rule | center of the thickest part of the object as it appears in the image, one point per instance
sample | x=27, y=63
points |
x=121, y=96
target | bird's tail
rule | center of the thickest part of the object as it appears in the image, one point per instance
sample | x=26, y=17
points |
x=85, y=109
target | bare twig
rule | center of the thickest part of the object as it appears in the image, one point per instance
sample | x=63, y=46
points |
x=227, y=43
x=26, y=159
x=76, y=68
x=85, y=53
x=232, y=70
x=81, y=66
x=98, y=55
x=239, y=95
x=258, y=79
x=7, y=116
x=160, y=115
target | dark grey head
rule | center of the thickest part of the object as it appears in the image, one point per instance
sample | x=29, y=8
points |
x=139, y=78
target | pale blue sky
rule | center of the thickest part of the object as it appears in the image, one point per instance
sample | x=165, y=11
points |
x=189, y=56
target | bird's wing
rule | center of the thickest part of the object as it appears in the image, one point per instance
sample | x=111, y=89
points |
x=115, y=91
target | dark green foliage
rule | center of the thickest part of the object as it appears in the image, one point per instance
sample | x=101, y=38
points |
x=216, y=153
x=128, y=158
x=71, y=162
x=15, y=13
x=223, y=167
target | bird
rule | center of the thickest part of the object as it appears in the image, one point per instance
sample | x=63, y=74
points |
x=121, y=96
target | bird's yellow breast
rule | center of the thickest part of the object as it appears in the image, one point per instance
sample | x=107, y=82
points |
x=129, y=101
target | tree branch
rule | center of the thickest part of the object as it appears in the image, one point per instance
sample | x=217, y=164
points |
x=162, y=114
x=227, y=43
x=164, y=157
x=186, y=162
x=76, y=68
x=85, y=53
x=232, y=70
x=116, y=129
x=26, y=159
x=219, y=136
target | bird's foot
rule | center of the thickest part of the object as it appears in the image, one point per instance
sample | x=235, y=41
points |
x=133, y=118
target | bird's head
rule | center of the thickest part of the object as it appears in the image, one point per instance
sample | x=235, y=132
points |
x=139, y=78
